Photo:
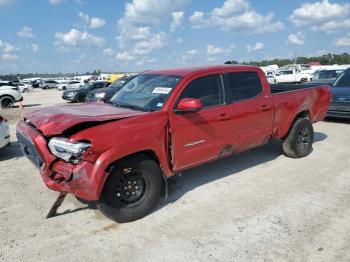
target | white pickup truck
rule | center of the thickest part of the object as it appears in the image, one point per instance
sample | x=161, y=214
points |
x=9, y=95
x=292, y=76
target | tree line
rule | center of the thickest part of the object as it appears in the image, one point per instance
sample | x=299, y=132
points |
x=327, y=59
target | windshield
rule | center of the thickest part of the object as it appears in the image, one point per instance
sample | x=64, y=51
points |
x=146, y=92
x=343, y=80
x=327, y=74
x=118, y=84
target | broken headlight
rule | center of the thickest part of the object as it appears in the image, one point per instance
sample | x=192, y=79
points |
x=68, y=151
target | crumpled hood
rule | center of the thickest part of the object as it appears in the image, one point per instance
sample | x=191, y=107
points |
x=55, y=120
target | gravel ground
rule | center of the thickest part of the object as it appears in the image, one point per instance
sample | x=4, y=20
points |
x=255, y=206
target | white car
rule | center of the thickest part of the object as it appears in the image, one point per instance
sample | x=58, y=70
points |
x=75, y=84
x=291, y=76
x=62, y=85
x=9, y=95
x=4, y=133
x=24, y=87
x=48, y=84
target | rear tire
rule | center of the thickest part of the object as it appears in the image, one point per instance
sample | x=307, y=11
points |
x=6, y=102
x=132, y=189
x=298, y=142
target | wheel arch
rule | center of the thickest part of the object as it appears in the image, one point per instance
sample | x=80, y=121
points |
x=301, y=114
x=146, y=152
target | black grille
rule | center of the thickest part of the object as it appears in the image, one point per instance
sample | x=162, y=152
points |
x=29, y=150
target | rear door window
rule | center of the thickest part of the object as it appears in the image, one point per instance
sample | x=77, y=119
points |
x=243, y=86
x=207, y=89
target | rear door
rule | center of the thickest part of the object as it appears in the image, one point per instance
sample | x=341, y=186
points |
x=200, y=136
x=251, y=108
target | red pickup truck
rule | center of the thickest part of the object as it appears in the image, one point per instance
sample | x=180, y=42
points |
x=120, y=153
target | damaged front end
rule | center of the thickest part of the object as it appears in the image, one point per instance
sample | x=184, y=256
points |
x=60, y=162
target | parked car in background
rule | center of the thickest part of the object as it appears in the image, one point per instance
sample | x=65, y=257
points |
x=9, y=95
x=63, y=85
x=79, y=94
x=25, y=88
x=120, y=154
x=36, y=83
x=48, y=84
x=4, y=133
x=340, y=106
x=114, y=77
x=326, y=77
x=290, y=76
x=104, y=94
x=73, y=84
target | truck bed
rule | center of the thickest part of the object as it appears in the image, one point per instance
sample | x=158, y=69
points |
x=281, y=88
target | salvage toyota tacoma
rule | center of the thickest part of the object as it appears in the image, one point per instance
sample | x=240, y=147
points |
x=119, y=154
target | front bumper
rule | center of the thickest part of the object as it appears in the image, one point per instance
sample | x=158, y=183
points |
x=68, y=98
x=80, y=180
x=339, y=110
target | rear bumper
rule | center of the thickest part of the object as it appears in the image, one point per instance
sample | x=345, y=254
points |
x=69, y=98
x=81, y=180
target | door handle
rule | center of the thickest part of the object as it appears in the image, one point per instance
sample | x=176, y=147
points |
x=223, y=117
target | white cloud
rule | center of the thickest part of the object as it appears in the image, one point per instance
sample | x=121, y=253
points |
x=197, y=20
x=35, y=48
x=56, y=2
x=25, y=32
x=344, y=41
x=6, y=47
x=108, y=52
x=322, y=16
x=213, y=50
x=124, y=56
x=177, y=19
x=236, y=16
x=84, y=17
x=192, y=52
x=150, y=12
x=77, y=38
x=231, y=7
x=9, y=57
x=96, y=22
x=256, y=47
x=155, y=42
x=93, y=22
x=296, y=39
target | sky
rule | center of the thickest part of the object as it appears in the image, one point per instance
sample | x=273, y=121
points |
x=68, y=36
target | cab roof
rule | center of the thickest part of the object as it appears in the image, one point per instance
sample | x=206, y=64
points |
x=190, y=70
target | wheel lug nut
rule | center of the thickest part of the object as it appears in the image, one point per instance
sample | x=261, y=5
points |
x=136, y=187
x=135, y=182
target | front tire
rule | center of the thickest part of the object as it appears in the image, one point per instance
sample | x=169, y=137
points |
x=80, y=99
x=132, y=189
x=6, y=102
x=299, y=140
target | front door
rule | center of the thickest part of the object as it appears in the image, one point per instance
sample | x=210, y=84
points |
x=198, y=137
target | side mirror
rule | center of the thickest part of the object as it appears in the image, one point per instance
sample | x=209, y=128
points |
x=188, y=105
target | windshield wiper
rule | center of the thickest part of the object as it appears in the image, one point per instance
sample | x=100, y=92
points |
x=134, y=107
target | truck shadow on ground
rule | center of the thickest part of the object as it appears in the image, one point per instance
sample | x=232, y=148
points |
x=10, y=152
x=195, y=177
